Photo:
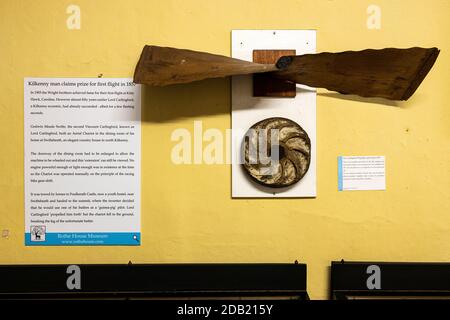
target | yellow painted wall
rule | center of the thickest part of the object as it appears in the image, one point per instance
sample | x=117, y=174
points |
x=187, y=212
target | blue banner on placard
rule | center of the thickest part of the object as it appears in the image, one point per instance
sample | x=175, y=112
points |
x=84, y=239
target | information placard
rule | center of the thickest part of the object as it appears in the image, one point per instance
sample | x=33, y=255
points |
x=361, y=173
x=82, y=161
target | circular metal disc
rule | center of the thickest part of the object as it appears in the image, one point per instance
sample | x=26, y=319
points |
x=277, y=152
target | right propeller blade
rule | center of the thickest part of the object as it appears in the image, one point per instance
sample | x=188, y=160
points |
x=387, y=73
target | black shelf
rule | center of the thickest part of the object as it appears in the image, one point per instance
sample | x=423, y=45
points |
x=398, y=280
x=156, y=281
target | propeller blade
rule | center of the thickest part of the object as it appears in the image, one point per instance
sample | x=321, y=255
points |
x=387, y=73
x=160, y=66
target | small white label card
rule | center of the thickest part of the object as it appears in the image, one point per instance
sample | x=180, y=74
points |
x=361, y=173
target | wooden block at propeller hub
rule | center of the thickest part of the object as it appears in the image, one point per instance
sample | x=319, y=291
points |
x=266, y=86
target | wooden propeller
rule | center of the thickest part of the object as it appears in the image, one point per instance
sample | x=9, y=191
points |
x=388, y=73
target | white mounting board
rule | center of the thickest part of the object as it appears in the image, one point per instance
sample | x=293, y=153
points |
x=247, y=110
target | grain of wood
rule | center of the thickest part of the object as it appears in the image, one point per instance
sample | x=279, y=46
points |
x=160, y=66
x=387, y=73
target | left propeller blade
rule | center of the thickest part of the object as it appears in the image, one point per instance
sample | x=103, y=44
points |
x=160, y=66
